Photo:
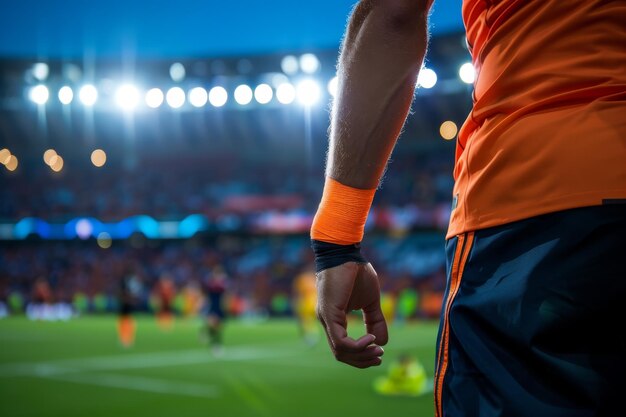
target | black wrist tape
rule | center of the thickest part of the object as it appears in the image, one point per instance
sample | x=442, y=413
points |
x=330, y=255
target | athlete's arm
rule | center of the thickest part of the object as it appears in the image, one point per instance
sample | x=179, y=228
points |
x=383, y=50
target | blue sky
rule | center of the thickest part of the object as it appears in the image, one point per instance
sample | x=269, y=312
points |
x=183, y=28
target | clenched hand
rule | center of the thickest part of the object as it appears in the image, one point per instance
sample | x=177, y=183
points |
x=344, y=288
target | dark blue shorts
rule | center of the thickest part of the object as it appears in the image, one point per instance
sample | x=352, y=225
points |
x=534, y=318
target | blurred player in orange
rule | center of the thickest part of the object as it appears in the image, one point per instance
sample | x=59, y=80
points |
x=305, y=300
x=535, y=242
x=165, y=292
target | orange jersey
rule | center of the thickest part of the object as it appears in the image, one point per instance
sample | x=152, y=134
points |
x=548, y=128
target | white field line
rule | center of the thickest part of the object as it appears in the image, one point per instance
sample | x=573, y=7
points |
x=124, y=361
x=153, y=385
x=138, y=361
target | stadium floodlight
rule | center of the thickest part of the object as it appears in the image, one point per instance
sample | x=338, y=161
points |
x=333, y=86
x=286, y=93
x=309, y=63
x=218, y=96
x=39, y=94
x=427, y=78
x=177, y=72
x=263, y=93
x=127, y=97
x=308, y=92
x=175, y=97
x=243, y=94
x=289, y=65
x=66, y=95
x=40, y=71
x=88, y=95
x=154, y=98
x=198, y=96
x=467, y=72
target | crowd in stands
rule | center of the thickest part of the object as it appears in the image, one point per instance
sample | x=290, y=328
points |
x=172, y=189
x=259, y=268
x=261, y=257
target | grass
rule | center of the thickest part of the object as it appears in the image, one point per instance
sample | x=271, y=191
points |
x=77, y=368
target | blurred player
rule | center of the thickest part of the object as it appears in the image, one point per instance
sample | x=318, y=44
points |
x=214, y=289
x=531, y=317
x=40, y=308
x=129, y=294
x=388, y=306
x=165, y=292
x=406, y=376
x=305, y=300
x=192, y=299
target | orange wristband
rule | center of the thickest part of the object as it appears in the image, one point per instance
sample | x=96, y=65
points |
x=342, y=214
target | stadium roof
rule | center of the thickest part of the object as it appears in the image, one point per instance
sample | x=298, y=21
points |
x=58, y=29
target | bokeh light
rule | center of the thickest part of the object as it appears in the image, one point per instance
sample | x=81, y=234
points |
x=333, y=85
x=56, y=163
x=289, y=65
x=263, y=93
x=175, y=97
x=5, y=154
x=309, y=63
x=98, y=158
x=40, y=71
x=286, y=93
x=48, y=155
x=198, y=97
x=127, y=97
x=39, y=94
x=427, y=78
x=104, y=240
x=243, y=94
x=177, y=72
x=448, y=130
x=218, y=96
x=154, y=98
x=84, y=228
x=66, y=95
x=12, y=163
x=467, y=73
x=308, y=92
x=88, y=95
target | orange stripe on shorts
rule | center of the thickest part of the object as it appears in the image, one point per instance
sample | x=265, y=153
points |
x=464, y=244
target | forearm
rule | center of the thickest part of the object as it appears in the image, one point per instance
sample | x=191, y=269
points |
x=381, y=56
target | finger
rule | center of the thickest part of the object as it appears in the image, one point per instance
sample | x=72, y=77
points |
x=343, y=343
x=370, y=353
x=375, y=323
x=365, y=364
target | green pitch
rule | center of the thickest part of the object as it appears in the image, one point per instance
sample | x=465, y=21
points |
x=78, y=369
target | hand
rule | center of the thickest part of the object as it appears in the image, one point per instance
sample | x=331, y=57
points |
x=344, y=288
